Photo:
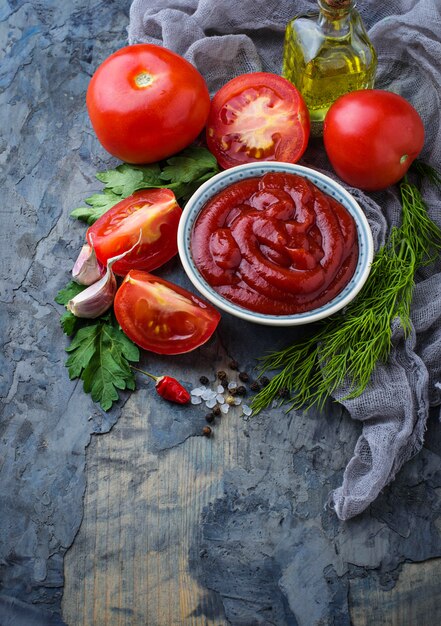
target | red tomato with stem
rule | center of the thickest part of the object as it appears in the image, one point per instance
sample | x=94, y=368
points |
x=146, y=103
x=257, y=117
x=152, y=212
x=371, y=138
x=162, y=317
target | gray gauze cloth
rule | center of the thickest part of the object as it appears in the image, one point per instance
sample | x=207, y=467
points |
x=225, y=38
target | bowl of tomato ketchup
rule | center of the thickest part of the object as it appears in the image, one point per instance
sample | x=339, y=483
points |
x=275, y=243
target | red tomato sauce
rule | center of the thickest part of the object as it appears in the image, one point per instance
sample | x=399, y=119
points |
x=275, y=244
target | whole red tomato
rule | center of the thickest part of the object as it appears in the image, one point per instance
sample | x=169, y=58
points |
x=152, y=214
x=371, y=138
x=257, y=117
x=162, y=317
x=146, y=103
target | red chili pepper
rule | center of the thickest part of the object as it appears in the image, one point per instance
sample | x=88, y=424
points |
x=172, y=390
x=168, y=388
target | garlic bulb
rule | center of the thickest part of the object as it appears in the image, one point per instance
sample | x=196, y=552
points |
x=87, y=269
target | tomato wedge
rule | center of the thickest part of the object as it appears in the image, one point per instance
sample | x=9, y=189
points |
x=257, y=117
x=162, y=317
x=152, y=212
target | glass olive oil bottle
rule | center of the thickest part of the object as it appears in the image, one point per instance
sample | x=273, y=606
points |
x=328, y=54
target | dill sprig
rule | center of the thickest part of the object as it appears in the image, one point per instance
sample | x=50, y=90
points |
x=345, y=349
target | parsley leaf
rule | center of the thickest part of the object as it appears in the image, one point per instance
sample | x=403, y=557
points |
x=99, y=203
x=82, y=348
x=99, y=353
x=125, y=179
x=185, y=169
x=182, y=173
x=69, y=323
x=108, y=369
x=71, y=290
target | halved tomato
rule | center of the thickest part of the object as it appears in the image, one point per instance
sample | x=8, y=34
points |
x=257, y=117
x=162, y=317
x=152, y=212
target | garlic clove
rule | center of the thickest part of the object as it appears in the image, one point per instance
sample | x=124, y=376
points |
x=87, y=269
x=98, y=298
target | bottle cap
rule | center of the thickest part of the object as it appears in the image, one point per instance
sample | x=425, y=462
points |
x=338, y=4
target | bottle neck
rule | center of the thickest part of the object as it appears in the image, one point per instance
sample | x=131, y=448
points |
x=334, y=16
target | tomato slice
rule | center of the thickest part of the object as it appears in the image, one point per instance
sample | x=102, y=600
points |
x=152, y=212
x=257, y=117
x=162, y=317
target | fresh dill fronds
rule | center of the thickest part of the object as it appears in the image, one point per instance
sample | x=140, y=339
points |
x=345, y=349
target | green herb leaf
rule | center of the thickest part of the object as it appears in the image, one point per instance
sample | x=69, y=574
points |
x=100, y=355
x=125, y=179
x=82, y=349
x=99, y=203
x=201, y=154
x=108, y=370
x=68, y=292
x=185, y=169
x=69, y=323
x=182, y=173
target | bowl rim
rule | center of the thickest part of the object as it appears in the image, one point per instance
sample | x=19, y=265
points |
x=295, y=319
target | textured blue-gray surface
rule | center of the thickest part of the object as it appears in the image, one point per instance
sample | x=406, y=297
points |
x=49, y=50
x=269, y=540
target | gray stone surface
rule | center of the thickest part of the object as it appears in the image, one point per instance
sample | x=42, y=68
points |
x=270, y=550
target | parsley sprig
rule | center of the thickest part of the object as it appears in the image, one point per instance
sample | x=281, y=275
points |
x=345, y=348
x=99, y=353
x=182, y=173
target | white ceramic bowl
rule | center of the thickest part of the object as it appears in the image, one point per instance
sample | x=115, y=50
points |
x=326, y=184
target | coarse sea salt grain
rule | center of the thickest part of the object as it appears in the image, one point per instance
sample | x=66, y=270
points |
x=220, y=389
x=208, y=394
x=247, y=410
x=220, y=398
x=197, y=391
x=224, y=408
x=237, y=401
x=232, y=385
x=210, y=404
x=196, y=400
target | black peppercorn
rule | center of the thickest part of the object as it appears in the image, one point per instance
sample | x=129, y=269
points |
x=264, y=381
x=206, y=431
x=216, y=411
x=204, y=380
x=241, y=391
x=255, y=386
x=283, y=392
x=234, y=365
x=209, y=417
x=221, y=375
x=243, y=376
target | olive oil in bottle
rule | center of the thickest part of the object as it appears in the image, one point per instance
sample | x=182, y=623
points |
x=328, y=54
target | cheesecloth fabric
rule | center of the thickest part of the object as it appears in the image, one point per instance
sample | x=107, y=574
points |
x=225, y=38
